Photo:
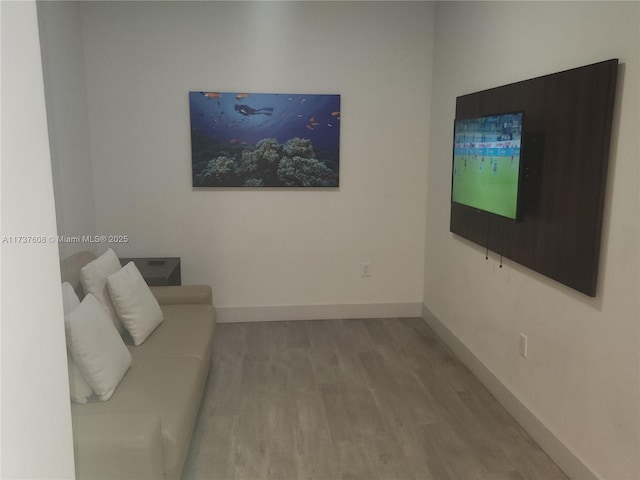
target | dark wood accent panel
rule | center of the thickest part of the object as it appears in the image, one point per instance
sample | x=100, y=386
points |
x=565, y=152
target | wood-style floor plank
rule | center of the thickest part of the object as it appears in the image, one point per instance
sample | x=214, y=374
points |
x=375, y=399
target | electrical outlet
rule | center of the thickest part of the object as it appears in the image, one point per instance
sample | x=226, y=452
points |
x=366, y=269
x=523, y=345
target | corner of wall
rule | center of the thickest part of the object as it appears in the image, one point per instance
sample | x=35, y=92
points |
x=564, y=457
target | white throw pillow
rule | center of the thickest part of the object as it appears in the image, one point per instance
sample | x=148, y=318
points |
x=93, y=277
x=70, y=298
x=79, y=389
x=96, y=347
x=134, y=303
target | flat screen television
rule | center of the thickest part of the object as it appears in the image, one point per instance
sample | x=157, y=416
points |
x=486, y=163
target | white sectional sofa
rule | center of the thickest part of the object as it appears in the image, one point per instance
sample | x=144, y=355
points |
x=143, y=430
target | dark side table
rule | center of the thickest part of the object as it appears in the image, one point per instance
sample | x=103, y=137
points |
x=157, y=271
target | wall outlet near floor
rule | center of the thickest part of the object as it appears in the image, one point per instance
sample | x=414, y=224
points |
x=366, y=269
x=523, y=345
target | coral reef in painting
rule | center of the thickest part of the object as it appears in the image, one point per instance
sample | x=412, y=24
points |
x=268, y=164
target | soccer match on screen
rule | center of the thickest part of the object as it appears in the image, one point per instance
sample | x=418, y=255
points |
x=486, y=163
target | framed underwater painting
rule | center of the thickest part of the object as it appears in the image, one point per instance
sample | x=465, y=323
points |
x=264, y=139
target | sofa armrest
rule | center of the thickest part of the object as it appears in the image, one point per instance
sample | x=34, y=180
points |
x=123, y=446
x=183, y=294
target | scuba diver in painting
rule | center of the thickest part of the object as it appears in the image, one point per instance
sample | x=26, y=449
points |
x=246, y=110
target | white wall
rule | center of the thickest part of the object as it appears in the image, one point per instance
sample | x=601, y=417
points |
x=581, y=378
x=66, y=97
x=277, y=247
x=36, y=440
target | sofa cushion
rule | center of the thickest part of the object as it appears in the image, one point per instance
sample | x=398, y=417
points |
x=93, y=277
x=186, y=331
x=175, y=294
x=123, y=446
x=96, y=347
x=134, y=303
x=169, y=387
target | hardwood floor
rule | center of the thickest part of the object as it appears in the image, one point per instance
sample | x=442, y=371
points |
x=352, y=399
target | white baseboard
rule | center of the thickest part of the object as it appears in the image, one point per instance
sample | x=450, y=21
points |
x=317, y=312
x=564, y=457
